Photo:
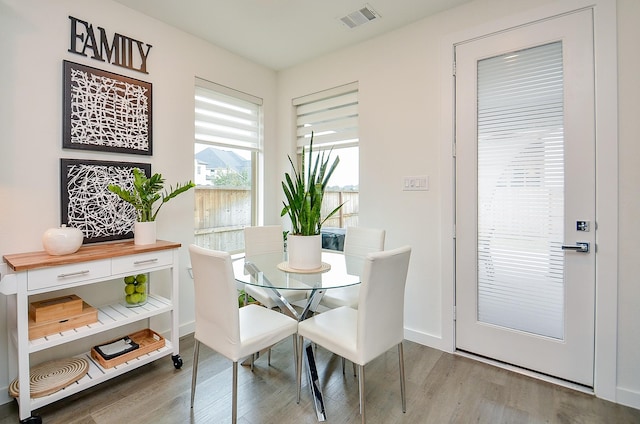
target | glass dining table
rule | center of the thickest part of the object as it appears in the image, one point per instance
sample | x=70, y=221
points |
x=271, y=272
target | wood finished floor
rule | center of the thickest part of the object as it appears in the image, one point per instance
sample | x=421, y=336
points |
x=441, y=388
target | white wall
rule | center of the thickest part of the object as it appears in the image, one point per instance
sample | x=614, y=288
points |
x=401, y=131
x=629, y=191
x=400, y=110
x=34, y=38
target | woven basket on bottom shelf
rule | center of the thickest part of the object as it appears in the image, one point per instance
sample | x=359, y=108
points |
x=49, y=377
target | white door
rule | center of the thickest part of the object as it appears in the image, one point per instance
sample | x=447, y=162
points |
x=525, y=197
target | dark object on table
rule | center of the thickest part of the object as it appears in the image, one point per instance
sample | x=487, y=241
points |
x=333, y=238
x=116, y=348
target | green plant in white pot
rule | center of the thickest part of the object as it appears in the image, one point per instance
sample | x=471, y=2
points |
x=304, y=192
x=144, y=194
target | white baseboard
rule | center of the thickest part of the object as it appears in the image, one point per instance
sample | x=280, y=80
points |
x=187, y=328
x=4, y=397
x=628, y=397
x=425, y=339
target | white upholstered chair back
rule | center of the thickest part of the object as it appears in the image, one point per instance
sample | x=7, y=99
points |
x=221, y=325
x=263, y=239
x=361, y=335
x=358, y=241
x=381, y=303
x=216, y=301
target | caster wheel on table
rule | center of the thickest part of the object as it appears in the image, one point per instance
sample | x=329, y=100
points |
x=177, y=361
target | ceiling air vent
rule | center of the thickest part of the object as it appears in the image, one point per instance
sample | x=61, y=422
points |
x=360, y=16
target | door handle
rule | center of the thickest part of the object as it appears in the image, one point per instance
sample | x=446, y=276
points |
x=580, y=246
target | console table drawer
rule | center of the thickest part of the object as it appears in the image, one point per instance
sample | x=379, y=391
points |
x=134, y=263
x=67, y=274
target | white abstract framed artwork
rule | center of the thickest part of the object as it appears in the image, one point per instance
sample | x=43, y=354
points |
x=87, y=203
x=105, y=111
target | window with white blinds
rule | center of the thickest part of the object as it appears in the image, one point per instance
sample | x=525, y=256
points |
x=227, y=151
x=226, y=117
x=332, y=116
x=521, y=191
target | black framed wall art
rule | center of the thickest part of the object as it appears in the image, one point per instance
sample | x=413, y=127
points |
x=87, y=203
x=105, y=111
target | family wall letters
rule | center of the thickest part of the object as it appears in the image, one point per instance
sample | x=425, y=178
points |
x=120, y=50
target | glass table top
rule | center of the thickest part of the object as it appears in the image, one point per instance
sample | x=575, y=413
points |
x=269, y=270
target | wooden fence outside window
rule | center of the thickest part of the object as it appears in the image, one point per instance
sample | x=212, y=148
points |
x=222, y=213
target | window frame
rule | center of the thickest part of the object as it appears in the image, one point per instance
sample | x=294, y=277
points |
x=256, y=149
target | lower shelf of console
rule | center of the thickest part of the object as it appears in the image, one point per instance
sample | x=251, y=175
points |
x=109, y=317
x=97, y=374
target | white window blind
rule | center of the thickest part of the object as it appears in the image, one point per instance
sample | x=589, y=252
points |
x=226, y=117
x=521, y=191
x=332, y=116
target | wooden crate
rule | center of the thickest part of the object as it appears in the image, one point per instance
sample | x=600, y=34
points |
x=88, y=315
x=147, y=340
x=58, y=308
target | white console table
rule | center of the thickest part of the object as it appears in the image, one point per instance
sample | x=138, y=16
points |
x=37, y=272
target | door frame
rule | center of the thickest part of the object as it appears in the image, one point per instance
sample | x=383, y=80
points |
x=606, y=70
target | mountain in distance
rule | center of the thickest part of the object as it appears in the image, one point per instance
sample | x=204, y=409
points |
x=218, y=159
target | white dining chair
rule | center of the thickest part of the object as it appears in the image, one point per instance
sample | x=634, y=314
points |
x=222, y=325
x=358, y=242
x=363, y=334
x=267, y=239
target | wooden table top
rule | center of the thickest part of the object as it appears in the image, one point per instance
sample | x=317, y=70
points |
x=41, y=259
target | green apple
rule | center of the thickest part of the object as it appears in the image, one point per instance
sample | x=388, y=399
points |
x=130, y=288
x=141, y=288
x=141, y=278
x=129, y=279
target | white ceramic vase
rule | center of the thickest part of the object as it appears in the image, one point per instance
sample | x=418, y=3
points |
x=144, y=233
x=62, y=240
x=304, y=252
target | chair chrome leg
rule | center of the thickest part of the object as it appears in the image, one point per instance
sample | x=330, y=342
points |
x=402, y=381
x=194, y=371
x=269, y=357
x=361, y=389
x=234, y=396
x=354, y=367
x=295, y=349
x=299, y=366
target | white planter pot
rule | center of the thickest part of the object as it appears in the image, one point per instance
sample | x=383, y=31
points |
x=304, y=252
x=144, y=233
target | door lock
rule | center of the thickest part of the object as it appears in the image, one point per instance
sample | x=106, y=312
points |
x=582, y=226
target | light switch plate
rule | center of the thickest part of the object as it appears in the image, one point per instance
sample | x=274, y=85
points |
x=416, y=183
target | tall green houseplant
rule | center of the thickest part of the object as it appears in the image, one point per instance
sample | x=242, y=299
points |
x=146, y=192
x=304, y=192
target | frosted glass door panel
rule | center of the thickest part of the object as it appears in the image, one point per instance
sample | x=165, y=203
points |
x=521, y=190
